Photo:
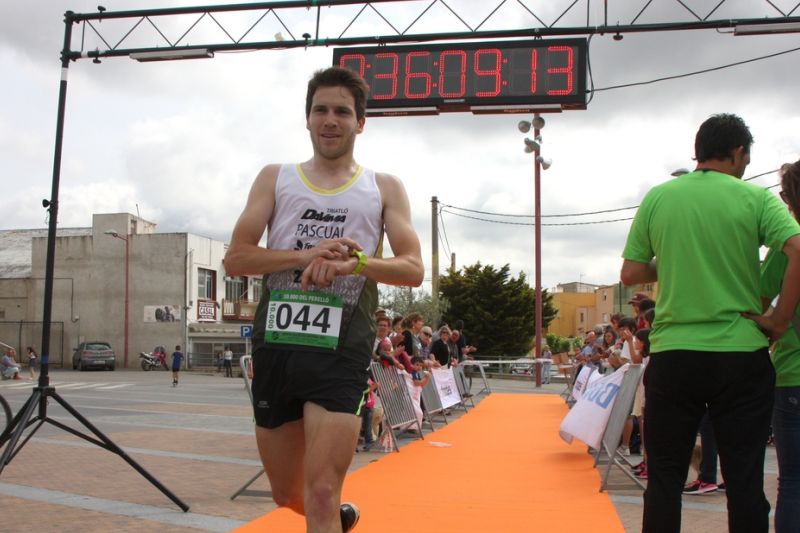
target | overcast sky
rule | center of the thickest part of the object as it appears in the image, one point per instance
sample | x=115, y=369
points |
x=179, y=143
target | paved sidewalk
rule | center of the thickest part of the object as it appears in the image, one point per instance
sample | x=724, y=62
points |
x=197, y=440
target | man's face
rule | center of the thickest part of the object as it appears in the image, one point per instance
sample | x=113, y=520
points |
x=383, y=329
x=455, y=336
x=332, y=122
x=418, y=366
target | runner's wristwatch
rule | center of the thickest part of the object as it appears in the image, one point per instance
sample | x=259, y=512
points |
x=362, y=261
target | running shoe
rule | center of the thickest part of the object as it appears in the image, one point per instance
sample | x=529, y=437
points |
x=698, y=487
x=721, y=487
x=350, y=515
x=641, y=474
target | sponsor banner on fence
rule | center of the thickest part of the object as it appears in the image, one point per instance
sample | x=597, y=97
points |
x=588, y=418
x=446, y=386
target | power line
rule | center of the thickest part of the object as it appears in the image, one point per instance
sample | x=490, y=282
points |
x=543, y=216
x=512, y=215
x=704, y=71
x=531, y=223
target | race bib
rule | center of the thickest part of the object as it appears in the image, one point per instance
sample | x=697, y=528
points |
x=304, y=318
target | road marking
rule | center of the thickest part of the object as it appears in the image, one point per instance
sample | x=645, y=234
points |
x=114, y=507
x=118, y=386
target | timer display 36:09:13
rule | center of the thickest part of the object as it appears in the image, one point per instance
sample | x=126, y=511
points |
x=466, y=73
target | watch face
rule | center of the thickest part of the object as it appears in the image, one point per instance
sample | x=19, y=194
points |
x=459, y=76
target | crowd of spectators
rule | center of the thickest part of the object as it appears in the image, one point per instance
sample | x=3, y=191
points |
x=413, y=347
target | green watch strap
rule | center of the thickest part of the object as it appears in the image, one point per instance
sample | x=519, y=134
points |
x=362, y=261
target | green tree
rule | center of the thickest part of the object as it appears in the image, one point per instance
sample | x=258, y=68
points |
x=498, y=310
x=404, y=300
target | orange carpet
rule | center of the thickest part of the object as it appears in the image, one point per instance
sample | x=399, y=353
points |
x=500, y=468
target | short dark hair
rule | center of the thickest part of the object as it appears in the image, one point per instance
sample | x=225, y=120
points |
x=339, y=77
x=629, y=323
x=646, y=304
x=417, y=359
x=719, y=135
x=644, y=336
x=650, y=316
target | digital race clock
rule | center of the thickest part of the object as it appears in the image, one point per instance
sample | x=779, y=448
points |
x=503, y=76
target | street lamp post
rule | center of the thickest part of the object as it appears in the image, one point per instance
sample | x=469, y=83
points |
x=534, y=146
x=127, y=262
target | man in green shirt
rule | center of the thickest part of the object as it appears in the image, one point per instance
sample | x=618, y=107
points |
x=699, y=236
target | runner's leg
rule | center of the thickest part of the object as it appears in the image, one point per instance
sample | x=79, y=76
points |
x=280, y=453
x=330, y=441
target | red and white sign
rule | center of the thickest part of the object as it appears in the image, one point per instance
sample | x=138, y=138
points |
x=206, y=311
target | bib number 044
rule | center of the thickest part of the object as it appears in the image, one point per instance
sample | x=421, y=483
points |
x=304, y=318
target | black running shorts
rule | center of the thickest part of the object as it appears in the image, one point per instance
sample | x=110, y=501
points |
x=283, y=380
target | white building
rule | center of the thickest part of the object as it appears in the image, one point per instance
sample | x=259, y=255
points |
x=177, y=292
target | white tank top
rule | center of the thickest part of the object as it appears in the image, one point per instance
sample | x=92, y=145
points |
x=305, y=215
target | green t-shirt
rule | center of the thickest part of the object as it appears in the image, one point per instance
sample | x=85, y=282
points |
x=786, y=355
x=705, y=229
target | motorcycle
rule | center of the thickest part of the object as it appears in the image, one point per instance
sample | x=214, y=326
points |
x=154, y=359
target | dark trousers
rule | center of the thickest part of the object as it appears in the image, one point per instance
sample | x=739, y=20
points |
x=228, y=368
x=708, y=445
x=738, y=388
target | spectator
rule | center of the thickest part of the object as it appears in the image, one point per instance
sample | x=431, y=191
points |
x=699, y=236
x=464, y=347
x=786, y=358
x=227, y=361
x=441, y=347
x=10, y=368
x=397, y=326
x=412, y=325
x=419, y=376
x=366, y=416
x=426, y=342
x=177, y=360
x=547, y=364
x=218, y=361
x=383, y=326
x=32, y=360
x=400, y=354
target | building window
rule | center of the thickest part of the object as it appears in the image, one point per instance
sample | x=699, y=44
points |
x=235, y=288
x=206, y=284
x=256, y=290
x=581, y=319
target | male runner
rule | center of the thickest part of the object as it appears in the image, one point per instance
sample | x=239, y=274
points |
x=314, y=328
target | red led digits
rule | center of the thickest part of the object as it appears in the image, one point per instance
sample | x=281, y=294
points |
x=391, y=76
x=444, y=76
x=534, y=64
x=424, y=76
x=495, y=56
x=347, y=60
x=566, y=70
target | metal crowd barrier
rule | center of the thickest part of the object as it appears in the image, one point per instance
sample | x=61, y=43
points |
x=398, y=411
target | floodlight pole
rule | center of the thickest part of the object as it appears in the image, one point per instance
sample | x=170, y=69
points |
x=33, y=412
x=537, y=222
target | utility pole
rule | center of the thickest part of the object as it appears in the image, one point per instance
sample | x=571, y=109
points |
x=453, y=261
x=435, y=257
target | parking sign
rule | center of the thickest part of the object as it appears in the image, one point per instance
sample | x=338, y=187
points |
x=246, y=331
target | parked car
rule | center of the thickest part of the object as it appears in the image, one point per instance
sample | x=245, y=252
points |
x=523, y=366
x=93, y=355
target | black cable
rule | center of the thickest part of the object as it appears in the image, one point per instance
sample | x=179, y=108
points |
x=704, y=71
x=510, y=215
x=531, y=223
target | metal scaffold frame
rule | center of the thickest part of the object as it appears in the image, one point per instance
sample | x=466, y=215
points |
x=335, y=22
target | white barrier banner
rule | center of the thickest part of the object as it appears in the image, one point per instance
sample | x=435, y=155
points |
x=446, y=386
x=415, y=393
x=588, y=418
x=581, y=382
